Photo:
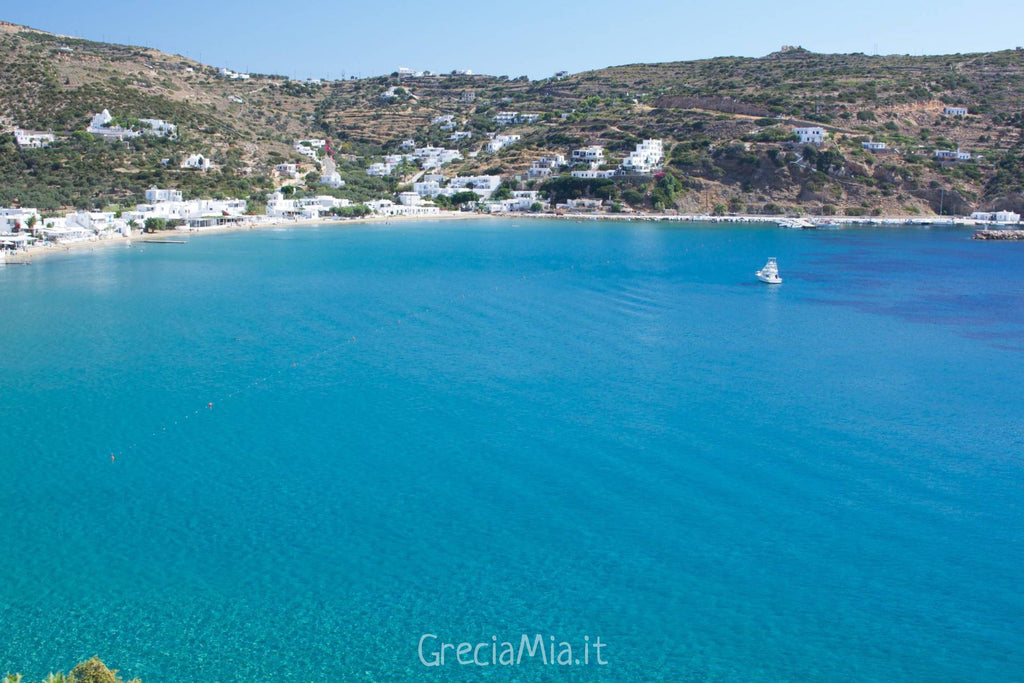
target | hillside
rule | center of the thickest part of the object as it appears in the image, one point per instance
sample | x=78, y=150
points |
x=726, y=124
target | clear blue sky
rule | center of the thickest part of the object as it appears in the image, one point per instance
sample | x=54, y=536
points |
x=529, y=37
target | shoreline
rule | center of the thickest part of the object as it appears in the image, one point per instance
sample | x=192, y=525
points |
x=263, y=223
x=42, y=251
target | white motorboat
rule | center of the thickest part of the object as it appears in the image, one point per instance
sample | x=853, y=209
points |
x=770, y=273
x=796, y=224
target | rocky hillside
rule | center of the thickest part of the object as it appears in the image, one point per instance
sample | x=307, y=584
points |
x=726, y=124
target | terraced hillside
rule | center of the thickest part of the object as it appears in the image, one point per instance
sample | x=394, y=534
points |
x=726, y=124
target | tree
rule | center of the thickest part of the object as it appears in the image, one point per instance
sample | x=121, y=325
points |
x=460, y=198
x=154, y=224
x=633, y=198
x=536, y=207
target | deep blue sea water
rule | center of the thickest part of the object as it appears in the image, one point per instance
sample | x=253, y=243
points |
x=503, y=427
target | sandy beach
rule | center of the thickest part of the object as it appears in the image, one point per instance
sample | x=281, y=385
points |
x=263, y=223
x=50, y=249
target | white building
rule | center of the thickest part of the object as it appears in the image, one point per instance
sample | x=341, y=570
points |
x=192, y=209
x=427, y=188
x=594, y=173
x=996, y=216
x=483, y=185
x=521, y=200
x=287, y=170
x=332, y=180
x=27, y=139
x=648, y=157
x=577, y=204
x=100, y=127
x=95, y=222
x=380, y=170
x=409, y=199
x=498, y=142
x=330, y=175
x=588, y=155
x=196, y=161
x=155, y=194
x=814, y=135
x=955, y=111
x=873, y=146
x=17, y=218
x=545, y=166
x=310, y=146
x=435, y=157
x=528, y=118
x=386, y=207
x=461, y=135
x=950, y=154
x=228, y=73
x=160, y=128
x=442, y=120
x=506, y=118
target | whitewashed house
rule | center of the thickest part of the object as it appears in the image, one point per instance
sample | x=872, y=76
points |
x=287, y=170
x=380, y=170
x=483, y=185
x=648, y=157
x=12, y=219
x=461, y=135
x=593, y=155
x=545, y=166
x=814, y=135
x=27, y=139
x=951, y=154
x=873, y=146
x=100, y=127
x=427, y=188
x=155, y=194
x=996, y=216
x=955, y=111
x=499, y=142
x=330, y=175
x=505, y=118
x=160, y=128
x=580, y=204
x=229, y=74
x=592, y=173
x=196, y=161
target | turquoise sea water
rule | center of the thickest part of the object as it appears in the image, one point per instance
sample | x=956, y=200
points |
x=495, y=428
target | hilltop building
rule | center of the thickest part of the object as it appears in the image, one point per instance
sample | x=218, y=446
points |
x=27, y=139
x=545, y=166
x=648, y=157
x=815, y=135
x=196, y=161
x=593, y=155
x=498, y=142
